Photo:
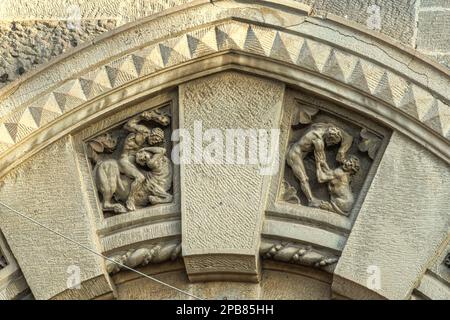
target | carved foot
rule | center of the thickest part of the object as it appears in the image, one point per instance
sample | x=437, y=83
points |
x=315, y=203
x=130, y=205
x=158, y=200
x=116, y=208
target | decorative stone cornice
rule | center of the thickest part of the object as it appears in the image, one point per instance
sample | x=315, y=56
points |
x=312, y=55
x=292, y=46
x=144, y=255
x=297, y=254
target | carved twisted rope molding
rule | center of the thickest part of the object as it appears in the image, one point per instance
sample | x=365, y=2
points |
x=312, y=55
x=297, y=254
x=142, y=256
x=274, y=250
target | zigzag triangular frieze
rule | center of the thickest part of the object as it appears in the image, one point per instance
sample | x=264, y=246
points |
x=335, y=63
x=29, y=120
x=202, y=42
x=231, y=36
x=95, y=82
x=373, y=75
x=432, y=118
x=320, y=52
x=383, y=89
x=5, y=137
x=305, y=57
x=49, y=103
x=144, y=65
x=279, y=50
x=408, y=103
x=357, y=78
x=332, y=67
x=121, y=71
x=252, y=43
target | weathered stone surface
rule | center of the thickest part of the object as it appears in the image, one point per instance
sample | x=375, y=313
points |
x=48, y=190
x=222, y=204
x=127, y=10
x=227, y=63
x=402, y=222
x=27, y=44
x=397, y=17
x=433, y=35
x=434, y=3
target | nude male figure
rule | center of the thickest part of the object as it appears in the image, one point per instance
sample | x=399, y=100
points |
x=315, y=139
x=139, y=134
x=160, y=167
x=341, y=196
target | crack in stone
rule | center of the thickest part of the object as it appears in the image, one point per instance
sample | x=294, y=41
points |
x=407, y=65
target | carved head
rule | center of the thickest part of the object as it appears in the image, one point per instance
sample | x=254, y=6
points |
x=351, y=164
x=156, y=136
x=142, y=157
x=103, y=143
x=333, y=136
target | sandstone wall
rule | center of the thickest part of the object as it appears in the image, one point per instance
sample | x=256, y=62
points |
x=32, y=31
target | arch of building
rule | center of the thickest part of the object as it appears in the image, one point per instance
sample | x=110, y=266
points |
x=227, y=233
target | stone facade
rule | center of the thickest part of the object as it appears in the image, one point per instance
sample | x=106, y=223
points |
x=233, y=149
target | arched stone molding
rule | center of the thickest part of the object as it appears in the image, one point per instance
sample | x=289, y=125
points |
x=276, y=40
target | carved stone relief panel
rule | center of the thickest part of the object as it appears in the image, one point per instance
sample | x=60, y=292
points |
x=130, y=162
x=330, y=154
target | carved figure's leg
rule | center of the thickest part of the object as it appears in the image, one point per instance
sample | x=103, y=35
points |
x=107, y=178
x=132, y=172
x=158, y=194
x=295, y=161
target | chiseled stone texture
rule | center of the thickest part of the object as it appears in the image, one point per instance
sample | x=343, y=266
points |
x=222, y=205
x=48, y=189
x=433, y=32
x=26, y=44
x=403, y=221
x=126, y=10
x=397, y=17
x=34, y=31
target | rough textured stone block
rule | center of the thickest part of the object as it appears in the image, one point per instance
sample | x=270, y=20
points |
x=402, y=222
x=48, y=189
x=397, y=17
x=433, y=31
x=435, y=3
x=222, y=205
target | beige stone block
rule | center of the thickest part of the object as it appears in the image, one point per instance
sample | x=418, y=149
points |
x=402, y=223
x=47, y=188
x=223, y=204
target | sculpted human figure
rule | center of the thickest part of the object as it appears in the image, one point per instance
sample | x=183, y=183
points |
x=160, y=181
x=341, y=196
x=120, y=179
x=316, y=138
x=133, y=142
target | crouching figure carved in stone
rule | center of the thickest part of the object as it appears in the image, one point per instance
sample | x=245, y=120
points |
x=341, y=195
x=121, y=177
x=315, y=139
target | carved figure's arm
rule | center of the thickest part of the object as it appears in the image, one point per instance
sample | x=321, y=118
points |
x=319, y=152
x=154, y=149
x=133, y=125
x=324, y=174
x=346, y=143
